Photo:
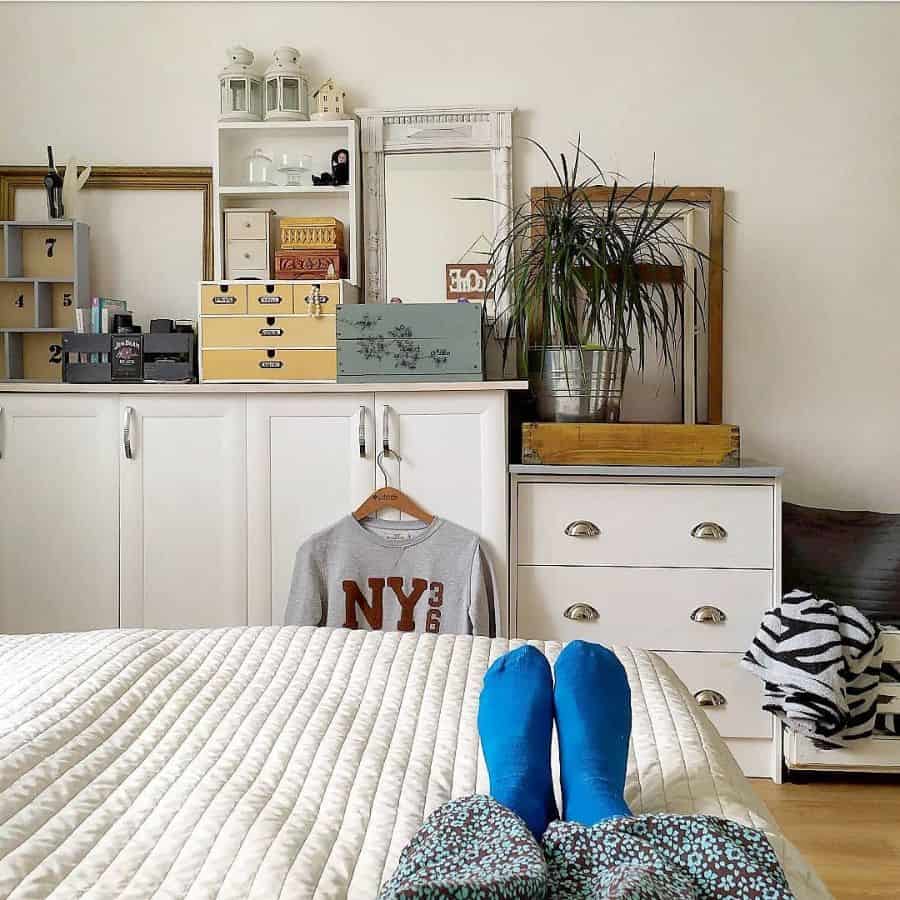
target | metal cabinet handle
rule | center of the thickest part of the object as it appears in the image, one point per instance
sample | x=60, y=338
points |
x=386, y=431
x=709, y=531
x=709, y=697
x=1, y=417
x=362, y=432
x=126, y=433
x=582, y=528
x=708, y=614
x=581, y=612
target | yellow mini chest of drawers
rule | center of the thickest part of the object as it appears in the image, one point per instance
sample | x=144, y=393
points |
x=270, y=331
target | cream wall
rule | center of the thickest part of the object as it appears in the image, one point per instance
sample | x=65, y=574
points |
x=794, y=108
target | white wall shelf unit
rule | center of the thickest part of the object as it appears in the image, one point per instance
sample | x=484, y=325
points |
x=236, y=140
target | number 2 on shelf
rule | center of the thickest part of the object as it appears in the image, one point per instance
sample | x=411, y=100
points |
x=55, y=354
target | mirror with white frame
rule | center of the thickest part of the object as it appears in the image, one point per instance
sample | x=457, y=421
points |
x=423, y=242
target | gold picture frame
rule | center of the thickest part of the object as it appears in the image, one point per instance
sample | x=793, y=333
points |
x=133, y=178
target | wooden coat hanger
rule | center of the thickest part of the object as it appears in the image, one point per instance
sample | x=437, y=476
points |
x=390, y=498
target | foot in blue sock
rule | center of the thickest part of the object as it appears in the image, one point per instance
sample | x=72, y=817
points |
x=593, y=718
x=515, y=721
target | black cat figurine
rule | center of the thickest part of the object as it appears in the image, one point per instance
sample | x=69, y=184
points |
x=340, y=166
x=323, y=179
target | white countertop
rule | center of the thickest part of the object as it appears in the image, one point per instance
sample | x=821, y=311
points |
x=746, y=469
x=308, y=387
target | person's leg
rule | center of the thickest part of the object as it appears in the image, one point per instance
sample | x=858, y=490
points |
x=515, y=722
x=593, y=717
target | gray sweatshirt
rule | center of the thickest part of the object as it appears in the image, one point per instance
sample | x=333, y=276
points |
x=394, y=576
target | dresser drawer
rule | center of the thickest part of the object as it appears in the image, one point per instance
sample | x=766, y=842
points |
x=226, y=298
x=329, y=294
x=721, y=675
x=247, y=254
x=269, y=365
x=269, y=331
x=247, y=225
x=649, y=608
x=577, y=523
x=272, y=299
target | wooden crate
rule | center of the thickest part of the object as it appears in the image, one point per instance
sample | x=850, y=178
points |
x=410, y=342
x=297, y=265
x=590, y=443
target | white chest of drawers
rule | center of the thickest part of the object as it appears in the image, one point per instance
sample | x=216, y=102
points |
x=680, y=561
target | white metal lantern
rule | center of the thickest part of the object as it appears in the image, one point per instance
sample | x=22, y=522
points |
x=287, y=90
x=329, y=101
x=240, y=91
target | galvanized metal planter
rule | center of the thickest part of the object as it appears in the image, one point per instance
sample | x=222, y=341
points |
x=573, y=384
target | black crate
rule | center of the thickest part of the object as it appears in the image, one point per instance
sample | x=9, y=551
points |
x=170, y=357
x=86, y=358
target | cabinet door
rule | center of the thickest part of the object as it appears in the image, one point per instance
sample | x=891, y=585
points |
x=59, y=513
x=306, y=469
x=453, y=463
x=183, y=501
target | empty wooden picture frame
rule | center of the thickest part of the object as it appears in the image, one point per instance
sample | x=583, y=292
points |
x=712, y=200
x=152, y=247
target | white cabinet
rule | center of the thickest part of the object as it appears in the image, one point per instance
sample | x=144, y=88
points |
x=306, y=470
x=59, y=517
x=181, y=507
x=307, y=467
x=452, y=448
x=183, y=511
x=683, y=566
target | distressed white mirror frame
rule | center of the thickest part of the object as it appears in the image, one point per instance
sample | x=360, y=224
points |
x=418, y=129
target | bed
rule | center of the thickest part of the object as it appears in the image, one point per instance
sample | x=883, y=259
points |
x=282, y=762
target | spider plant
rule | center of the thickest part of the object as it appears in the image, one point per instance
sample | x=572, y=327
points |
x=580, y=273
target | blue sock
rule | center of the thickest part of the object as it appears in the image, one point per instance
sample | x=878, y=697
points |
x=515, y=721
x=593, y=718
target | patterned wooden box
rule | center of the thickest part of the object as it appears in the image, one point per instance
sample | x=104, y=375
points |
x=308, y=265
x=303, y=233
x=410, y=342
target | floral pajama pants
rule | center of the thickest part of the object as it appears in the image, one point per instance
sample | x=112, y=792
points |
x=475, y=848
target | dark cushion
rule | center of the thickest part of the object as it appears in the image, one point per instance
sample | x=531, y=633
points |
x=847, y=557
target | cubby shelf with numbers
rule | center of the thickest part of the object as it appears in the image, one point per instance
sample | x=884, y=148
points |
x=235, y=141
x=43, y=279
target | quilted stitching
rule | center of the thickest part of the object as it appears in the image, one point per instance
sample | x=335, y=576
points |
x=282, y=762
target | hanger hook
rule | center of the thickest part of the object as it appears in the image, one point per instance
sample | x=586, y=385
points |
x=381, y=455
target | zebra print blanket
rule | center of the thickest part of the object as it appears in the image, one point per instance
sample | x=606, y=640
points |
x=822, y=666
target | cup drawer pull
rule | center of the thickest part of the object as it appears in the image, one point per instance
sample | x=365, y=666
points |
x=709, y=531
x=708, y=614
x=581, y=612
x=708, y=697
x=582, y=528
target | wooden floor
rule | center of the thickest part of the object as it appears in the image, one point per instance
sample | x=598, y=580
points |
x=849, y=831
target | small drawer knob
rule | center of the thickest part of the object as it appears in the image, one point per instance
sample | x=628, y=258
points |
x=246, y=256
x=709, y=531
x=582, y=528
x=708, y=697
x=708, y=614
x=581, y=612
x=246, y=224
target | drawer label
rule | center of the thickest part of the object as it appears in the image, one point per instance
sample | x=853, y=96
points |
x=269, y=298
x=271, y=364
x=224, y=299
x=271, y=332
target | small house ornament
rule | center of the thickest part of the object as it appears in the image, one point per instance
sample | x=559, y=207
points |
x=240, y=90
x=287, y=90
x=329, y=101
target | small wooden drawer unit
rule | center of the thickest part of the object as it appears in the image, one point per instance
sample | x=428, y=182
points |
x=682, y=565
x=270, y=331
x=248, y=243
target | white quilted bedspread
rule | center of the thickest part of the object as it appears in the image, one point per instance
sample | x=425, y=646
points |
x=281, y=762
